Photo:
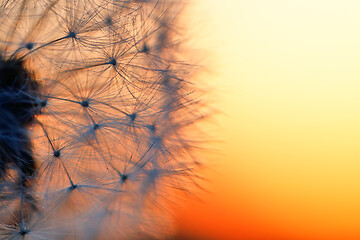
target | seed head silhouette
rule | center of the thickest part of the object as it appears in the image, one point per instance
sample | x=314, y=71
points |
x=95, y=104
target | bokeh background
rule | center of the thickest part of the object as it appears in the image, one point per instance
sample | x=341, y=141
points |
x=286, y=79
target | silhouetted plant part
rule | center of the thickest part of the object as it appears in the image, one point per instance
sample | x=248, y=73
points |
x=96, y=104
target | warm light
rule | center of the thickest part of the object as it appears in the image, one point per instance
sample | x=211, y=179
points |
x=288, y=81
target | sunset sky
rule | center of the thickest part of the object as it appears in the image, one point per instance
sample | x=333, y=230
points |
x=285, y=75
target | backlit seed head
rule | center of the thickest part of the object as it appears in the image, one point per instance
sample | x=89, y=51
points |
x=96, y=108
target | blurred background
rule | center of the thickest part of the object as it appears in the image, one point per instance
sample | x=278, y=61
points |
x=284, y=75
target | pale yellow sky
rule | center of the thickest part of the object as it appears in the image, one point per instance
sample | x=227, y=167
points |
x=287, y=77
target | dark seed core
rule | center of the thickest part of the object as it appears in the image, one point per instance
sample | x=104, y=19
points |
x=85, y=103
x=29, y=45
x=72, y=34
x=57, y=153
x=124, y=178
x=109, y=21
x=145, y=48
x=113, y=62
x=43, y=103
x=132, y=116
x=23, y=232
x=152, y=128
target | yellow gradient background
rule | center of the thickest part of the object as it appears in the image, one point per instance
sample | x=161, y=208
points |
x=287, y=78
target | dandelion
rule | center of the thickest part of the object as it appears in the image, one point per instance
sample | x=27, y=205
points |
x=96, y=105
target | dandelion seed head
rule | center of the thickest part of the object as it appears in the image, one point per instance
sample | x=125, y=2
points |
x=95, y=102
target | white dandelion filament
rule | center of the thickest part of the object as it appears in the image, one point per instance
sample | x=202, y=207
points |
x=95, y=101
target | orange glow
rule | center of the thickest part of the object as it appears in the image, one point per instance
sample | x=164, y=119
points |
x=287, y=78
